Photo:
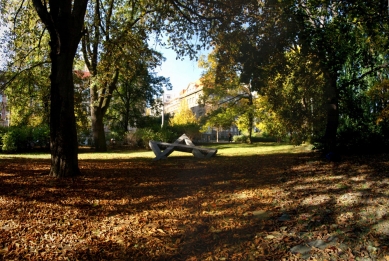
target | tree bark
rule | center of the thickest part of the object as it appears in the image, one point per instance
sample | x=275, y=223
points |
x=64, y=21
x=250, y=116
x=332, y=113
x=100, y=98
x=98, y=129
x=63, y=133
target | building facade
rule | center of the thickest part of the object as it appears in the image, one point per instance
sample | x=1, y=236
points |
x=4, y=113
x=191, y=96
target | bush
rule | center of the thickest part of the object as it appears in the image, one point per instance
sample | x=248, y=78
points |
x=22, y=138
x=240, y=138
x=41, y=136
x=143, y=136
x=9, y=143
x=16, y=139
x=3, y=131
x=192, y=130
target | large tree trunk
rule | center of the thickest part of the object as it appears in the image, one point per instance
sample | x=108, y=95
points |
x=63, y=133
x=64, y=21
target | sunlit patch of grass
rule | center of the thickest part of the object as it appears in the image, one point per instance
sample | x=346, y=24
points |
x=255, y=149
x=224, y=149
x=26, y=156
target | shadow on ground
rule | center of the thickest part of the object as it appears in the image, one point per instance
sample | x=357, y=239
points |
x=263, y=207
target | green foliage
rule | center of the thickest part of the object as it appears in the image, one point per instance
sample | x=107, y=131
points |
x=263, y=137
x=22, y=138
x=166, y=134
x=255, y=138
x=192, y=130
x=240, y=138
x=3, y=131
x=231, y=98
x=379, y=96
x=134, y=92
x=361, y=135
x=16, y=139
x=151, y=122
x=145, y=135
x=41, y=136
x=9, y=143
x=221, y=118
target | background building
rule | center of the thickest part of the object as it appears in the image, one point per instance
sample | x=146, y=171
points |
x=4, y=113
x=191, y=94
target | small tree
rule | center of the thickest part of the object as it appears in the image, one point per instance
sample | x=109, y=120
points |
x=185, y=121
x=221, y=118
x=184, y=115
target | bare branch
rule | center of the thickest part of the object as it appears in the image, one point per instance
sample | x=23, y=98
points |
x=6, y=83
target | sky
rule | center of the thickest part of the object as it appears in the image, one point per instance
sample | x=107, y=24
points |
x=181, y=73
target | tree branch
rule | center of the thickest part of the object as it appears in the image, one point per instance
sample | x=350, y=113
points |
x=6, y=83
x=382, y=66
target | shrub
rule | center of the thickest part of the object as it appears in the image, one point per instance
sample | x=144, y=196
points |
x=3, y=131
x=143, y=136
x=192, y=130
x=41, y=136
x=16, y=139
x=240, y=138
x=8, y=143
x=22, y=138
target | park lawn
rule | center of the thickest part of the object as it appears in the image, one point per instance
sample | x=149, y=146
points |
x=250, y=202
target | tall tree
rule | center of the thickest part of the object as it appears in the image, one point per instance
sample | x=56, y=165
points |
x=136, y=89
x=223, y=88
x=328, y=32
x=64, y=22
x=113, y=40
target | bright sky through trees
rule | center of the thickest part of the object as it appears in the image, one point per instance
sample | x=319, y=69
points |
x=180, y=72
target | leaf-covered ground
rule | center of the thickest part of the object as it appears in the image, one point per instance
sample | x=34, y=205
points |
x=261, y=207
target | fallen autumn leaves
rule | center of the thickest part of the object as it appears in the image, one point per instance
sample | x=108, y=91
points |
x=261, y=207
